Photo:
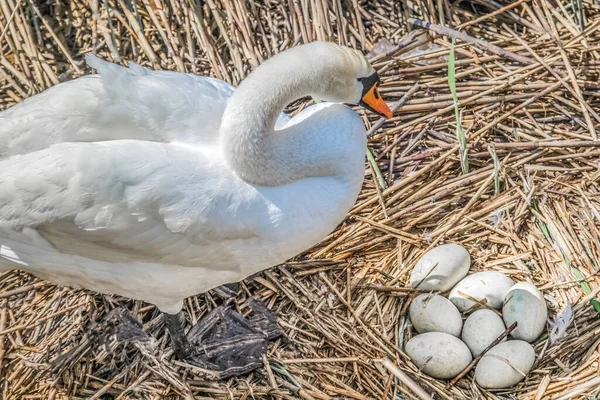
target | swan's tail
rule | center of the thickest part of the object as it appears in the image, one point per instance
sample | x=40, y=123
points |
x=106, y=68
x=118, y=80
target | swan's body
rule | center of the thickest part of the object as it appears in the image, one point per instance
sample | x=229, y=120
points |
x=159, y=185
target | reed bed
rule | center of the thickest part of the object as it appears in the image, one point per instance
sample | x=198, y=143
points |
x=519, y=189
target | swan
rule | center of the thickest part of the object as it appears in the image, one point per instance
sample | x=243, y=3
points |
x=159, y=185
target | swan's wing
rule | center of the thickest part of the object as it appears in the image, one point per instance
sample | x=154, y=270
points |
x=187, y=107
x=119, y=103
x=125, y=200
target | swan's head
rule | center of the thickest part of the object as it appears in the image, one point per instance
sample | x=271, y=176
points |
x=347, y=77
x=323, y=70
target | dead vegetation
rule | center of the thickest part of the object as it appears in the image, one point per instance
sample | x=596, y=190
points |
x=527, y=203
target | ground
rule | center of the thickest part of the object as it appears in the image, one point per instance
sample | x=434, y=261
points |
x=519, y=191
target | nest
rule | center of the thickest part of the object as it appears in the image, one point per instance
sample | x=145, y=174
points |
x=517, y=186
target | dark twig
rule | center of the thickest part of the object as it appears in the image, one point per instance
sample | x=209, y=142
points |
x=442, y=30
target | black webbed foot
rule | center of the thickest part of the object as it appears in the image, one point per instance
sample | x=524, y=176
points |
x=124, y=326
x=119, y=323
x=228, y=343
x=264, y=320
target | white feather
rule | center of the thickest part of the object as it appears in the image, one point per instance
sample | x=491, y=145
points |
x=118, y=183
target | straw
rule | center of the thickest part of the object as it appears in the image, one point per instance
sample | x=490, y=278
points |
x=528, y=206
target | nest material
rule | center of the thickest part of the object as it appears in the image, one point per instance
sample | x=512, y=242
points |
x=528, y=204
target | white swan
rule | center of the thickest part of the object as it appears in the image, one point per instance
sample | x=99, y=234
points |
x=161, y=185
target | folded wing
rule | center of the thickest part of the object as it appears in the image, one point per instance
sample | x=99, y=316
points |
x=118, y=103
x=132, y=200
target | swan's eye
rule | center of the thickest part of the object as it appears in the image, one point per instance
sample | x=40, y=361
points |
x=369, y=82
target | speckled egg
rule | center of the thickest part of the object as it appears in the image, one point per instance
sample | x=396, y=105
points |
x=441, y=268
x=525, y=305
x=481, y=329
x=505, y=365
x=434, y=313
x=490, y=285
x=439, y=354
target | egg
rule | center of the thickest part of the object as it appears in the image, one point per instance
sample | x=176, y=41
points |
x=434, y=313
x=490, y=285
x=504, y=365
x=438, y=354
x=441, y=268
x=525, y=305
x=481, y=329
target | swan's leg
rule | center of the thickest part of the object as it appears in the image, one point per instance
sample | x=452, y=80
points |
x=182, y=343
x=179, y=341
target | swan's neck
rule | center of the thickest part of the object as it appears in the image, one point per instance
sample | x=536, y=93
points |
x=253, y=149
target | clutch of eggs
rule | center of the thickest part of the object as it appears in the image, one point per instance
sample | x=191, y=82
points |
x=445, y=346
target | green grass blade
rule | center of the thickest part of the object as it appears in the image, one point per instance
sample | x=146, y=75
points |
x=281, y=370
x=585, y=286
x=375, y=167
x=460, y=134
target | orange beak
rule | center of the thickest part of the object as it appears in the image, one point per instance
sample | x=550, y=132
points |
x=372, y=100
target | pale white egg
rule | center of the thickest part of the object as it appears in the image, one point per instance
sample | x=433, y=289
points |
x=439, y=354
x=490, y=285
x=434, y=313
x=525, y=305
x=481, y=329
x=505, y=365
x=441, y=268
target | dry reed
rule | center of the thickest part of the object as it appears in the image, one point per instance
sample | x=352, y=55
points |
x=529, y=207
